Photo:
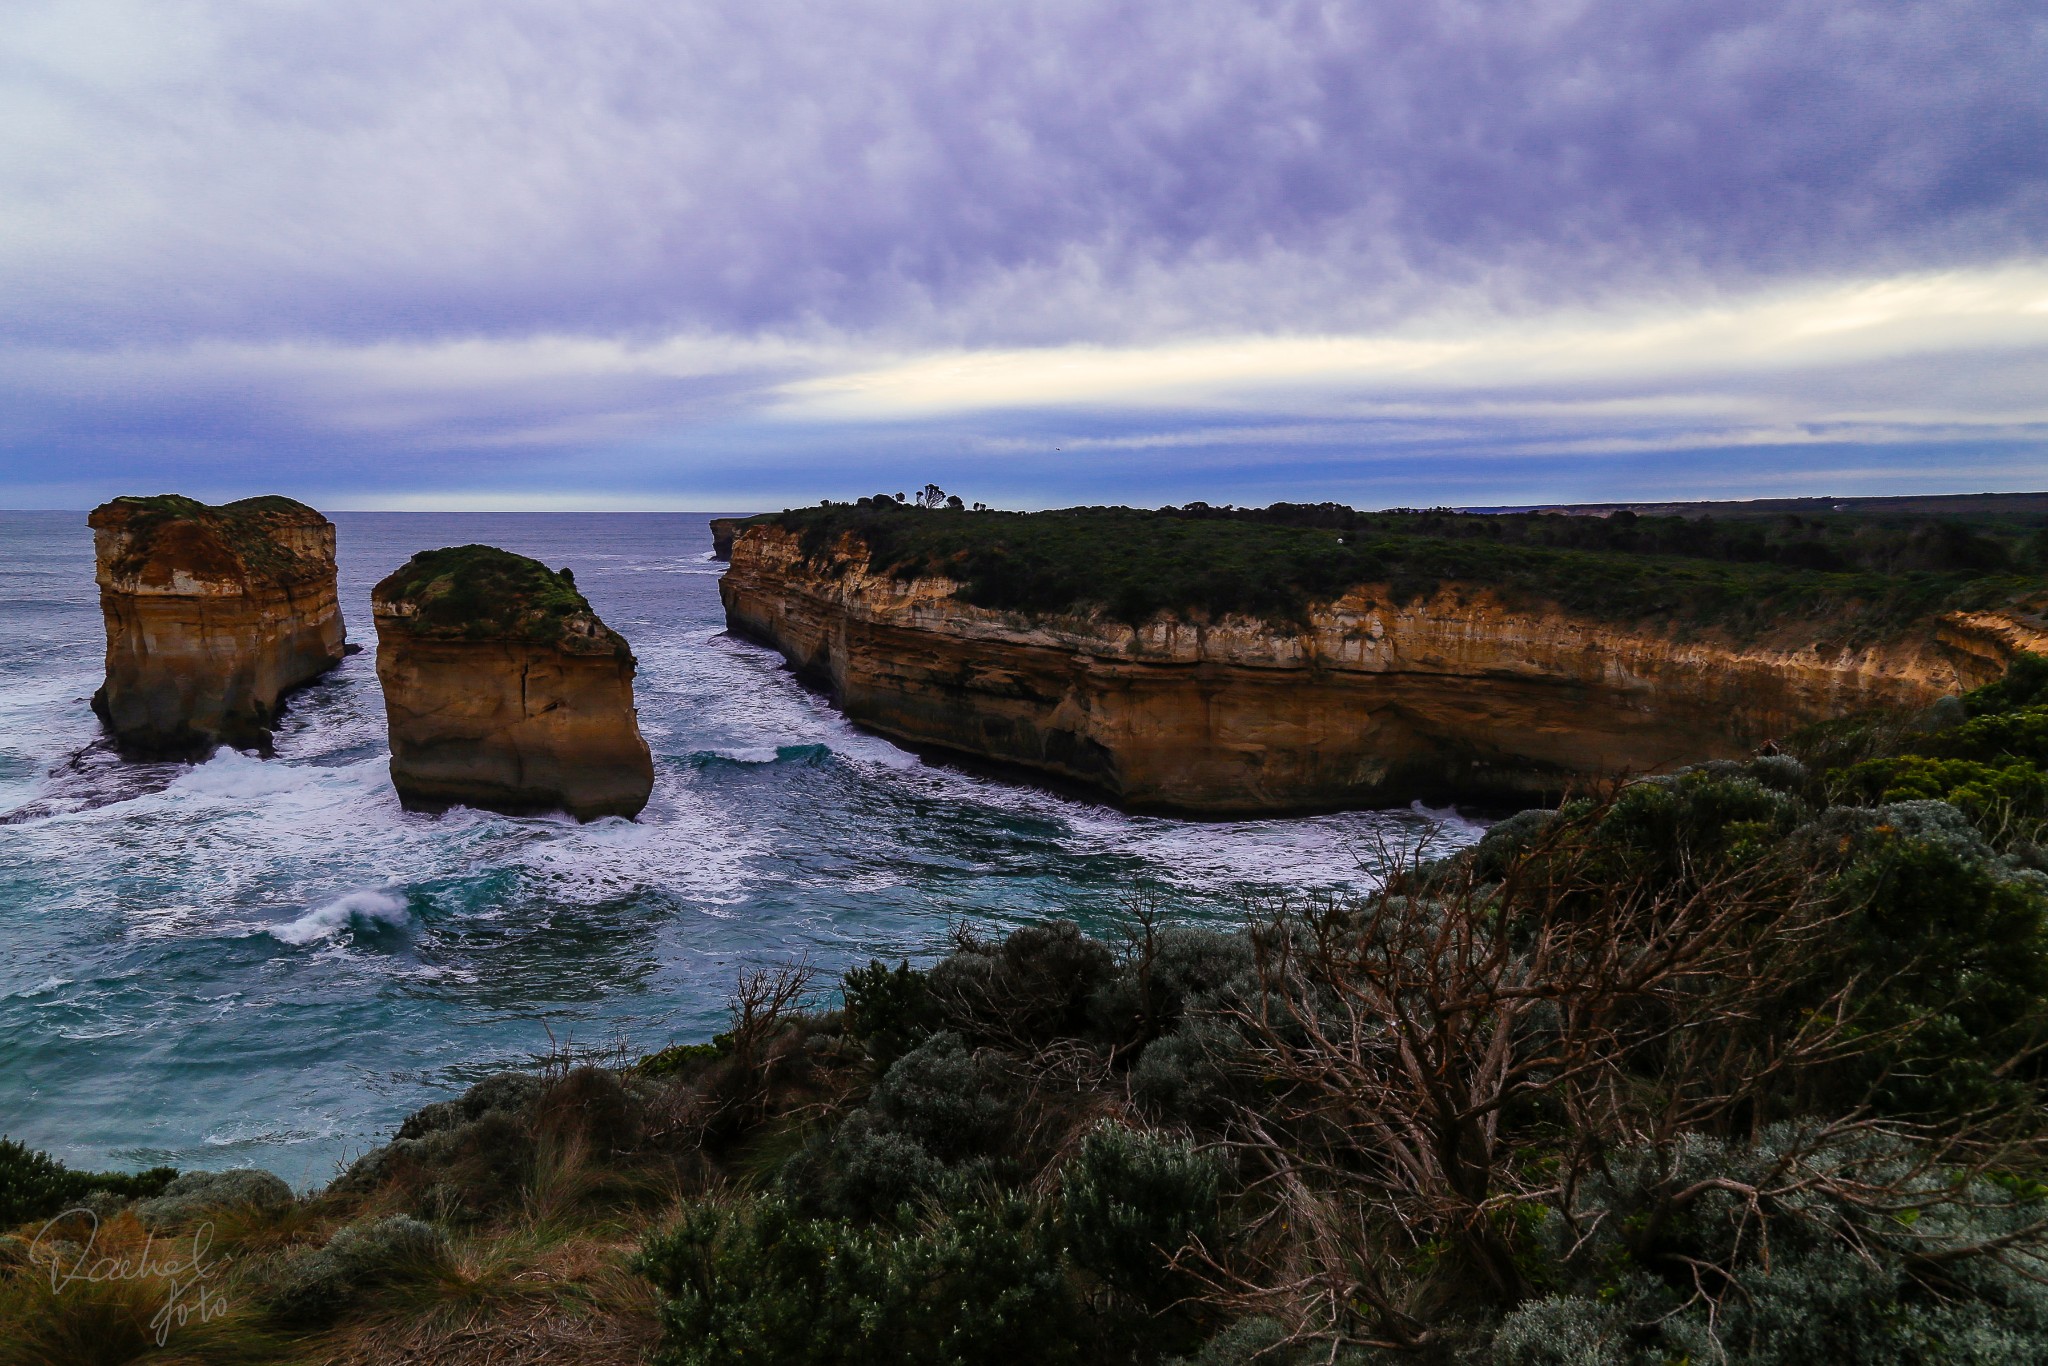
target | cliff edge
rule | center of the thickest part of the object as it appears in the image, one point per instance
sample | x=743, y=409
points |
x=1371, y=697
x=213, y=614
x=503, y=689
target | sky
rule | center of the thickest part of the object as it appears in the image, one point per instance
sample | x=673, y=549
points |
x=727, y=255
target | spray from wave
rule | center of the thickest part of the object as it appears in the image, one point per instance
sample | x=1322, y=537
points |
x=357, y=911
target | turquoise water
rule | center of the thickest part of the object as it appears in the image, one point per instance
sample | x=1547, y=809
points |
x=255, y=962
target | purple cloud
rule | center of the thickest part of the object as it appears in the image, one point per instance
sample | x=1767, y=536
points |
x=946, y=173
x=401, y=250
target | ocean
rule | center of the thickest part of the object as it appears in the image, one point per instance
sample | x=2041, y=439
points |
x=267, y=962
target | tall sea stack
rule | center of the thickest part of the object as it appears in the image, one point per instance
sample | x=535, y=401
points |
x=213, y=614
x=503, y=690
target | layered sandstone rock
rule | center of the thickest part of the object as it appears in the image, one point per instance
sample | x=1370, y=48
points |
x=1455, y=697
x=213, y=614
x=503, y=690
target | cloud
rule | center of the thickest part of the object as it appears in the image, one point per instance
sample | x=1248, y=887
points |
x=943, y=174
x=1802, y=330
x=445, y=244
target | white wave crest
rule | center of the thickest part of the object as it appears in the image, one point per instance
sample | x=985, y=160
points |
x=237, y=776
x=366, y=909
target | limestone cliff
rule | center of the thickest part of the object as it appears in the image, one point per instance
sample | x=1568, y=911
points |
x=213, y=614
x=1457, y=695
x=503, y=690
x=722, y=529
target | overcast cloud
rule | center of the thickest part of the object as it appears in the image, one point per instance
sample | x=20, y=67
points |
x=444, y=252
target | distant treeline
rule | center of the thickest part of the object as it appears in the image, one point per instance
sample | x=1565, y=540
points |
x=1850, y=573
x=1838, y=543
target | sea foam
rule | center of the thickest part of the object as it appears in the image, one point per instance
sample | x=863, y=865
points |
x=234, y=775
x=358, y=910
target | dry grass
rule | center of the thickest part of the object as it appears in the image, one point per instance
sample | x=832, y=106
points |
x=571, y=1304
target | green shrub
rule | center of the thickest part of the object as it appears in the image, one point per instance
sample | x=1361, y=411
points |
x=1036, y=986
x=1190, y=1076
x=1694, y=822
x=459, y=1160
x=1994, y=738
x=955, y=1106
x=34, y=1185
x=1129, y=1202
x=872, y=1174
x=683, y=1058
x=2007, y=803
x=2025, y=685
x=1181, y=969
x=1953, y=946
x=755, y=1281
x=197, y=1193
x=1806, y=1273
x=890, y=1011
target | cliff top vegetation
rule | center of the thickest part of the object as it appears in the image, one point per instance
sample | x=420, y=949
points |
x=479, y=592
x=207, y=540
x=1851, y=576
x=1747, y=1064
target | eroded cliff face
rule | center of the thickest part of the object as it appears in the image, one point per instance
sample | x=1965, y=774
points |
x=213, y=615
x=1457, y=697
x=496, y=704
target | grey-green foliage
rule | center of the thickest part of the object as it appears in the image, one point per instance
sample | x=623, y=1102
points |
x=508, y=1092
x=939, y=1116
x=870, y=1173
x=1817, y=1280
x=1130, y=1201
x=953, y=1104
x=1935, y=823
x=1189, y=1076
x=318, y=1285
x=461, y=1158
x=757, y=1281
x=1033, y=987
x=1184, y=970
x=1507, y=841
x=196, y=1193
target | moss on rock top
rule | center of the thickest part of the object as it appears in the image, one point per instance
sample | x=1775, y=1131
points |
x=244, y=535
x=479, y=592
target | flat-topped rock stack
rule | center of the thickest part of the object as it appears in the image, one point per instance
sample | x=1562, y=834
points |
x=213, y=614
x=503, y=690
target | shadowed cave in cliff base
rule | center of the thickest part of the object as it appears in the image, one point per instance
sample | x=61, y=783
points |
x=213, y=615
x=1222, y=662
x=503, y=689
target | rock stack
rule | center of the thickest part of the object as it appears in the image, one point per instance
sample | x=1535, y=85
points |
x=213, y=614
x=503, y=690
